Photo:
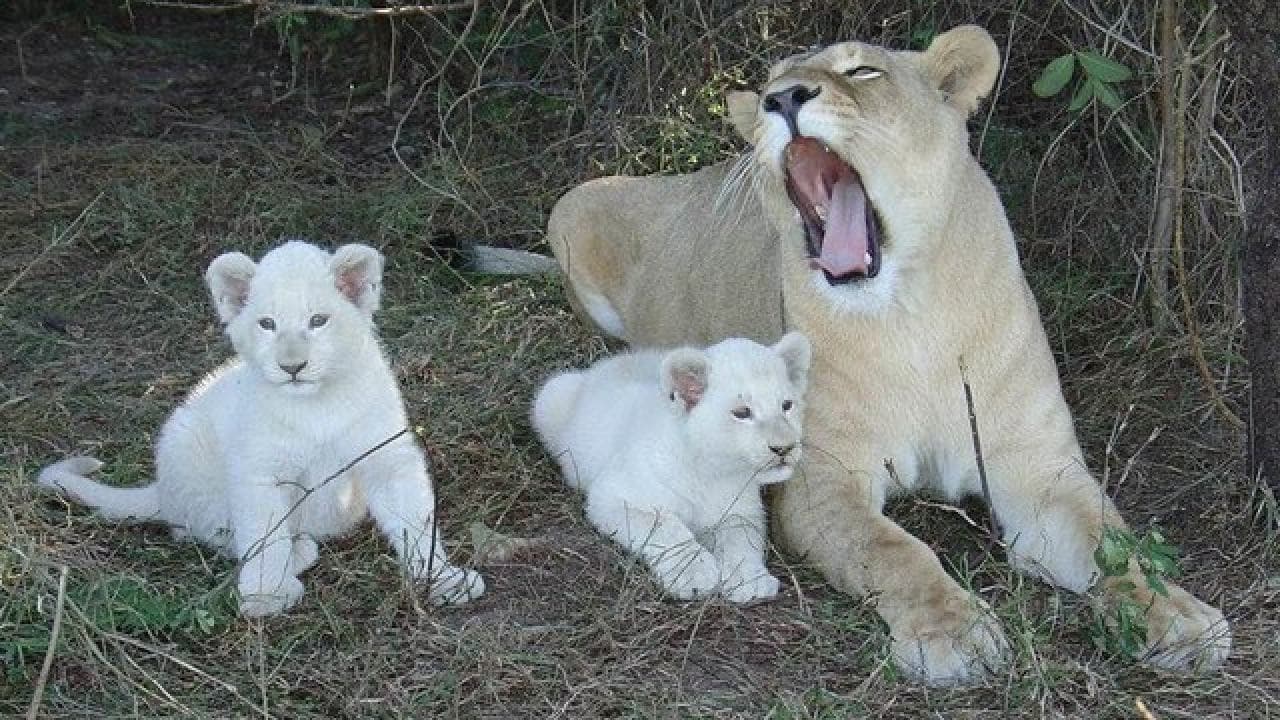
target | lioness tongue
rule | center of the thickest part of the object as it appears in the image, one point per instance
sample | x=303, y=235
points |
x=844, y=245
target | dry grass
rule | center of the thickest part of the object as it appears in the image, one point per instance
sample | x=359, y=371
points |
x=181, y=153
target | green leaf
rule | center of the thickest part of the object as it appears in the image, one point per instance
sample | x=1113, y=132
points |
x=1156, y=584
x=1055, y=76
x=1102, y=68
x=1106, y=94
x=1083, y=95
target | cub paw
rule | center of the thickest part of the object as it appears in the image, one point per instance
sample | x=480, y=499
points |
x=744, y=590
x=452, y=585
x=958, y=644
x=1185, y=634
x=261, y=602
x=304, y=554
x=692, y=576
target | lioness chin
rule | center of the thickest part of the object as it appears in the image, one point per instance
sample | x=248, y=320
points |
x=874, y=231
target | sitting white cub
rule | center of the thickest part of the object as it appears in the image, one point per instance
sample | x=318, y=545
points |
x=670, y=450
x=242, y=463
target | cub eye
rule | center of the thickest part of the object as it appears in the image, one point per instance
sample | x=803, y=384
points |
x=267, y=323
x=742, y=413
x=318, y=321
x=863, y=72
x=786, y=406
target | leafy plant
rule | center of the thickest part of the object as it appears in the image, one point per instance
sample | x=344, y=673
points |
x=1097, y=78
x=1120, y=625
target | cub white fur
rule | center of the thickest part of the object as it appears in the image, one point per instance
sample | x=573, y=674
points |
x=671, y=448
x=244, y=463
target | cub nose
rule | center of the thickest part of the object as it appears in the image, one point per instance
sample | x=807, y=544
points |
x=782, y=450
x=787, y=102
x=294, y=369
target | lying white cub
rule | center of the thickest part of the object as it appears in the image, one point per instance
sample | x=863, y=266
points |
x=671, y=449
x=242, y=464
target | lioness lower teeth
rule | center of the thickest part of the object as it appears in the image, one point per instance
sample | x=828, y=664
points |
x=866, y=257
x=821, y=212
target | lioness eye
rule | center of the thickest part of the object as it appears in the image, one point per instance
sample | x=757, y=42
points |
x=267, y=323
x=863, y=72
x=319, y=320
x=786, y=406
x=742, y=413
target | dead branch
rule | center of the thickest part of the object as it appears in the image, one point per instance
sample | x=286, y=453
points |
x=270, y=7
x=1196, y=349
x=1169, y=180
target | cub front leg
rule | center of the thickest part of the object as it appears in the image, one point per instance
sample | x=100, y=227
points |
x=740, y=547
x=1053, y=514
x=941, y=633
x=682, y=566
x=400, y=498
x=263, y=541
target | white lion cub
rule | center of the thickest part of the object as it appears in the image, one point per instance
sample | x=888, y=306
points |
x=671, y=449
x=243, y=463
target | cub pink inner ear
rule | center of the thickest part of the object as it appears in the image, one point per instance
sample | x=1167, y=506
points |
x=684, y=375
x=357, y=271
x=689, y=388
x=351, y=284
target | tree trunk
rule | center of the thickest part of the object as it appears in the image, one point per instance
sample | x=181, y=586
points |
x=1255, y=30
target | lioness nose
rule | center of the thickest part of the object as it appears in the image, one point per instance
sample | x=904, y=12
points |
x=787, y=102
x=782, y=450
x=293, y=369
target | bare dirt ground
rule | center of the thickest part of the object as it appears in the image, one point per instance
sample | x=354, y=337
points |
x=133, y=152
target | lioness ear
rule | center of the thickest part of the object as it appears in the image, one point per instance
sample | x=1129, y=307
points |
x=742, y=106
x=684, y=376
x=228, y=279
x=796, y=354
x=963, y=63
x=357, y=273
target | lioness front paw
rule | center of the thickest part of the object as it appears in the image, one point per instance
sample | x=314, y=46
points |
x=452, y=585
x=693, y=576
x=1185, y=634
x=743, y=590
x=959, y=644
x=261, y=602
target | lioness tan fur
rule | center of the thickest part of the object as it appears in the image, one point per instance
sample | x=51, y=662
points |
x=895, y=296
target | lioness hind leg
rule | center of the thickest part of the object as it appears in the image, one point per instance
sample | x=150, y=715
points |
x=942, y=634
x=1052, y=519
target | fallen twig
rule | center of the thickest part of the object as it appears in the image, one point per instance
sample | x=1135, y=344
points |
x=270, y=7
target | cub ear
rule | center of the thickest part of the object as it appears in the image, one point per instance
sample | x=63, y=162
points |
x=742, y=111
x=796, y=354
x=963, y=63
x=228, y=279
x=684, y=376
x=357, y=273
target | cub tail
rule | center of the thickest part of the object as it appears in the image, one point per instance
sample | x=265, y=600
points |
x=113, y=503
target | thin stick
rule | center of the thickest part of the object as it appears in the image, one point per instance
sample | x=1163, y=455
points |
x=50, y=651
x=1179, y=262
x=977, y=453
x=282, y=8
x=63, y=237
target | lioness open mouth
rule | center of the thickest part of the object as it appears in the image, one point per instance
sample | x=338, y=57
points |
x=840, y=226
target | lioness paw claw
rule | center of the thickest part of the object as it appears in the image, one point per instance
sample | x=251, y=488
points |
x=953, y=648
x=1185, y=634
